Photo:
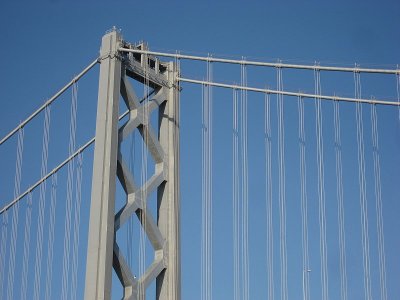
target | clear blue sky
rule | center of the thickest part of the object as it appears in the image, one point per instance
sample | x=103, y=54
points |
x=67, y=34
x=45, y=43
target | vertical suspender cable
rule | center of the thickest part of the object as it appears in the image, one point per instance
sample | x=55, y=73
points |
x=69, y=198
x=143, y=182
x=208, y=129
x=144, y=159
x=129, y=236
x=210, y=181
x=379, y=204
x=303, y=196
x=203, y=193
x=235, y=204
x=321, y=187
x=205, y=196
x=339, y=194
x=177, y=166
x=145, y=174
x=3, y=248
x=282, y=189
x=77, y=218
x=42, y=205
x=268, y=198
x=15, y=215
x=178, y=155
x=27, y=238
x=362, y=182
x=207, y=189
x=50, y=241
x=245, y=193
x=398, y=91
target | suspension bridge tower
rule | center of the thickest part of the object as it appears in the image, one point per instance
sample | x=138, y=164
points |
x=117, y=70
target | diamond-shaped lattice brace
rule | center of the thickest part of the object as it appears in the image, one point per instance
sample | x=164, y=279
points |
x=137, y=196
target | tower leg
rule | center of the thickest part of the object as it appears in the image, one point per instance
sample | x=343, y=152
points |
x=101, y=224
x=168, y=282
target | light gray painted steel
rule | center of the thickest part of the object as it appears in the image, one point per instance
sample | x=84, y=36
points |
x=286, y=93
x=109, y=163
x=101, y=226
x=169, y=282
x=163, y=232
x=264, y=64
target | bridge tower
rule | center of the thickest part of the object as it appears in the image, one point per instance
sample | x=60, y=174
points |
x=103, y=255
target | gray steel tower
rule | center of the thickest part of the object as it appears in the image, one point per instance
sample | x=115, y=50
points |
x=162, y=231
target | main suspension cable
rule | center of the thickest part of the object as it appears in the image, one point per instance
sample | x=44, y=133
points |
x=287, y=93
x=51, y=100
x=262, y=64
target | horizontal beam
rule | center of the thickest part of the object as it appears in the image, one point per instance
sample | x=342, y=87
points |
x=263, y=64
x=285, y=93
x=146, y=76
x=48, y=102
